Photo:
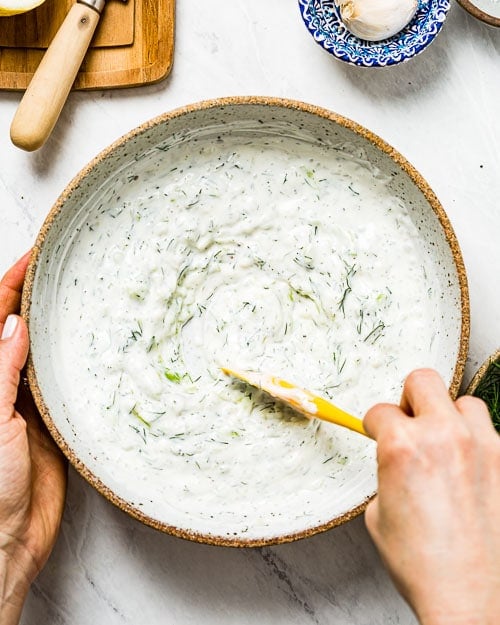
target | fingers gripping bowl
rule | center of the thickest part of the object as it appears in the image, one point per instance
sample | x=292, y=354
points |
x=265, y=232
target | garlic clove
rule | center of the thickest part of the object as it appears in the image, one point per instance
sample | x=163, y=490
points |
x=374, y=20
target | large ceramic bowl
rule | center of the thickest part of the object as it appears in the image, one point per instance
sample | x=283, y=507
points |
x=98, y=195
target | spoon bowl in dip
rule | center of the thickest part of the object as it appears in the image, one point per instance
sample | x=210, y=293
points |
x=301, y=400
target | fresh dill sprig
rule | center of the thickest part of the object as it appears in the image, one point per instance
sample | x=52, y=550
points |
x=489, y=391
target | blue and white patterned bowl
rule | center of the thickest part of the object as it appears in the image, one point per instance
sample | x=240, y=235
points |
x=322, y=18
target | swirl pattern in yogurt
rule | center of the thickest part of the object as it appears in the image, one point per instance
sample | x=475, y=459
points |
x=267, y=253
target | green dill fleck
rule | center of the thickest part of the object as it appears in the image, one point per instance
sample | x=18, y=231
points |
x=182, y=275
x=179, y=435
x=359, y=325
x=338, y=360
x=173, y=376
x=137, y=415
x=346, y=292
x=136, y=333
x=304, y=261
x=140, y=431
x=220, y=326
x=376, y=332
x=196, y=199
x=296, y=291
x=184, y=324
x=112, y=402
x=350, y=272
x=153, y=344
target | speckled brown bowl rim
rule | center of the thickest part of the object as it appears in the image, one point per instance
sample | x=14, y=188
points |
x=478, y=13
x=479, y=375
x=218, y=104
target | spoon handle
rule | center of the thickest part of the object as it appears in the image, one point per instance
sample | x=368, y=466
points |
x=329, y=412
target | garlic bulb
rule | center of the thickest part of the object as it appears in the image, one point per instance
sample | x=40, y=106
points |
x=374, y=20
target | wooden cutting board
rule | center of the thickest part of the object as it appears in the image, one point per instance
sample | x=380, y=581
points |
x=133, y=45
x=37, y=28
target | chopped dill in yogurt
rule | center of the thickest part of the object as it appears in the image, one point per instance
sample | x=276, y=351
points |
x=268, y=253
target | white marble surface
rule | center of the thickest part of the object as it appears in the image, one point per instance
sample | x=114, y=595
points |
x=442, y=111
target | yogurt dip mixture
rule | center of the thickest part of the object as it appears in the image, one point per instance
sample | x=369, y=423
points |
x=261, y=253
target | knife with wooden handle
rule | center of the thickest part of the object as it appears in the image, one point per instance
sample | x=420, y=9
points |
x=48, y=90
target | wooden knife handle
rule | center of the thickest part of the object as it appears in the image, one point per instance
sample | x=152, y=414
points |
x=46, y=94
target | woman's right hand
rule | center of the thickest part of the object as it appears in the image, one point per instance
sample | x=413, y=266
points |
x=436, y=518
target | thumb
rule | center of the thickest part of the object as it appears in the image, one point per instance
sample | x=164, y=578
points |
x=14, y=346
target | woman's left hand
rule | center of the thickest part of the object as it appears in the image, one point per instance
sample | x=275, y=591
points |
x=32, y=469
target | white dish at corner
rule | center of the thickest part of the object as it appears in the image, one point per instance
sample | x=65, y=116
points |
x=488, y=11
x=109, y=375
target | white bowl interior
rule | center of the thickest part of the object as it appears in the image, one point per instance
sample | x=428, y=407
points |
x=356, y=478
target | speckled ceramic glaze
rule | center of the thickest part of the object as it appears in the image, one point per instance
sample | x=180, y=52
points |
x=322, y=18
x=261, y=115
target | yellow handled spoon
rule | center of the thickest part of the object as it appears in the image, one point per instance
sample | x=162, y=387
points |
x=301, y=400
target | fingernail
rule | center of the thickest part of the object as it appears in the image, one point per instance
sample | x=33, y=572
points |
x=9, y=327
